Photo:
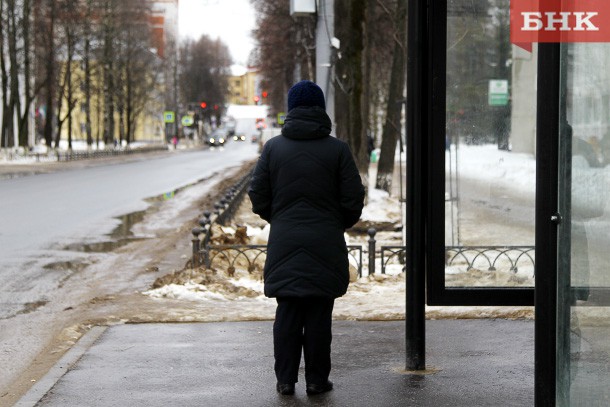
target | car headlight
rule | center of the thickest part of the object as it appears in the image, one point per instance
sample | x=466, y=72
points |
x=221, y=140
x=212, y=140
x=235, y=138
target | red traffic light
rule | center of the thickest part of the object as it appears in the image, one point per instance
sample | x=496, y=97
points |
x=265, y=94
x=203, y=105
x=215, y=107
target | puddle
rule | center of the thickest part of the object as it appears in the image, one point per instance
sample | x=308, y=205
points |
x=20, y=309
x=26, y=308
x=123, y=235
x=123, y=231
x=66, y=266
x=120, y=236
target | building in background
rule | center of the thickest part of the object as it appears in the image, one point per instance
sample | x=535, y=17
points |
x=164, y=21
x=244, y=86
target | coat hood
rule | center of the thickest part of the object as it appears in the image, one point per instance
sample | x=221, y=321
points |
x=306, y=123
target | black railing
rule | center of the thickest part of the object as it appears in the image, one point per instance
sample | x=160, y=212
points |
x=390, y=253
x=490, y=258
x=88, y=154
x=253, y=256
x=224, y=210
x=482, y=258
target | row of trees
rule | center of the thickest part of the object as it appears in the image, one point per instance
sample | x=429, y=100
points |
x=478, y=50
x=66, y=54
x=369, y=69
x=204, y=75
x=90, y=67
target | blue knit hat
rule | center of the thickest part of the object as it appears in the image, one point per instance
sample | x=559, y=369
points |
x=305, y=93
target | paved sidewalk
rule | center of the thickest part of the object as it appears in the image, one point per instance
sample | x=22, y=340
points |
x=471, y=363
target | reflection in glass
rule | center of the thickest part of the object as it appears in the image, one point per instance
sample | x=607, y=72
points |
x=583, y=377
x=490, y=149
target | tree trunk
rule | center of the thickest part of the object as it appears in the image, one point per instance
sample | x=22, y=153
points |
x=108, y=69
x=87, y=62
x=50, y=77
x=349, y=79
x=391, y=128
x=14, y=102
x=4, y=80
x=69, y=90
x=28, y=97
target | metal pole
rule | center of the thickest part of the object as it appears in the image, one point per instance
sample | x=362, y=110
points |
x=372, y=232
x=418, y=92
x=195, y=258
x=324, y=53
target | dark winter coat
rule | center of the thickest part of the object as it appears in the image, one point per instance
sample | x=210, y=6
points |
x=307, y=186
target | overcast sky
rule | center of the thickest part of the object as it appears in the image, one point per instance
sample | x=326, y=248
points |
x=230, y=20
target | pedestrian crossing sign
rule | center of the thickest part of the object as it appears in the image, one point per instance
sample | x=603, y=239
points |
x=169, y=117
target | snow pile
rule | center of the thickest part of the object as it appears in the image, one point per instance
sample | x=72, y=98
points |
x=381, y=207
x=206, y=285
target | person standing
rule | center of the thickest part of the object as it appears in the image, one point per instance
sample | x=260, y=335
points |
x=307, y=186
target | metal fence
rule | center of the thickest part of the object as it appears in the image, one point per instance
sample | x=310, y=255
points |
x=224, y=210
x=491, y=258
x=84, y=155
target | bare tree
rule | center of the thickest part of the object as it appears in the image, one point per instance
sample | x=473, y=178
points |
x=16, y=70
x=5, y=140
x=205, y=70
x=285, y=49
x=29, y=93
x=13, y=68
x=87, y=37
x=138, y=65
x=46, y=31
x=349, y=86
x=391, y=129
x=109, y=14
x=379, y=31
x=69, y=81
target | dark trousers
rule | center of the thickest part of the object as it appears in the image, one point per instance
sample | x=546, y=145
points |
x=303, y=323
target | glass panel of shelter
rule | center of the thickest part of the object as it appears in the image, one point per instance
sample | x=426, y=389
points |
x=489, y=150
x=583, y=316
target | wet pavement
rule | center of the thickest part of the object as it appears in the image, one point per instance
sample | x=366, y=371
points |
x=477, y=362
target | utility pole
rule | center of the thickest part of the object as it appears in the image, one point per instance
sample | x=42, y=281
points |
x=326, y=46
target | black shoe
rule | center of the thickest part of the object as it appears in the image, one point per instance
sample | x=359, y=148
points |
x=286, y=389
x=319, y=388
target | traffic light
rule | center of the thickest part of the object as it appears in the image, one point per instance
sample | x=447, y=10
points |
x=203, y=105
x=265, y=94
